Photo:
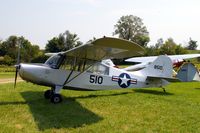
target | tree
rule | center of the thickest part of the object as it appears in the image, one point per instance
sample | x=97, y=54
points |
x=1, y=49
x=150, y=51
x=180, y=50
x=91, y=40
x=132, y=28
x=192, y=44
x=171, y=48
x=54, y=45
x=63, y=42
x=9, y=49
x=159, y=43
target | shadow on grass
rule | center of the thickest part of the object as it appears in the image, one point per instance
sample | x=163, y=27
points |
x=13, y=103
x=154, y=92
x=197, y=88
x=106, y=95
x=68, y=114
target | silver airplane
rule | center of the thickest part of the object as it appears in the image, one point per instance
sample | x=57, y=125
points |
x=87, y=68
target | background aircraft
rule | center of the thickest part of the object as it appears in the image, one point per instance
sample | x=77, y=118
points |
x=177, y=61
x=188, y=72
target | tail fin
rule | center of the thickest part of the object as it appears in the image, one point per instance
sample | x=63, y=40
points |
x=188, y=72
x=162, y=67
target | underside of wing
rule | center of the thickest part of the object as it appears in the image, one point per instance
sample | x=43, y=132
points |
x=172, y=57
x=142, y=59
x=106, y=48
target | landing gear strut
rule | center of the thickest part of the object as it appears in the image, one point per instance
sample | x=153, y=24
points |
x=163, y=89
x=53, y=94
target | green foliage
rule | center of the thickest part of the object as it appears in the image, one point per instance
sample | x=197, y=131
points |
x=132, y=28
x=5, y=68
x=63, y=42
x=141, y=40
x=40, y=59
x=180, y=50
x=168, y=47
x=6, y=75
x=54, y=45
x=9, y=49
x=192, y=44
x=151, y=51
x=126, y=110
x=7, y=60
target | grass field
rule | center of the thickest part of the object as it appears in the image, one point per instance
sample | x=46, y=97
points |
x=130, y=110
x=4, y=75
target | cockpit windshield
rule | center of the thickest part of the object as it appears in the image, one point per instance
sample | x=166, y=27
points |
x=55, y=61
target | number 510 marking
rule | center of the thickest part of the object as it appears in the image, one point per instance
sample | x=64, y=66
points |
x=96, y=79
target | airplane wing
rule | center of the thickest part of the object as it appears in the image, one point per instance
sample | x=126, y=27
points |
x=172, y=57
x=106, y=48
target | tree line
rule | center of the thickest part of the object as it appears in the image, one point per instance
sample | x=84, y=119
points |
x=128, y=27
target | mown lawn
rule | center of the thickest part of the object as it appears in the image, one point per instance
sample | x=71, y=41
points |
x=130, y=110
x=4, y=75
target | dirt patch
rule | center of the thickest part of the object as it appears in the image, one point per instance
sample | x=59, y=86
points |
x=9, y=80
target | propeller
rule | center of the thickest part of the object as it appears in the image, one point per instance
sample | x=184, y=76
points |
x=18, y=65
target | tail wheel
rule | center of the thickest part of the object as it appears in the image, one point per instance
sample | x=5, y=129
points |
x=56, y=98
x=48, y=94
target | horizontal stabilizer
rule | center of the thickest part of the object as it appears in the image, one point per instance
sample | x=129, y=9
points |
x=149, y=78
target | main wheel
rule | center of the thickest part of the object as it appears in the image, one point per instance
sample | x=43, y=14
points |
x=56, y=98
x=48, y=94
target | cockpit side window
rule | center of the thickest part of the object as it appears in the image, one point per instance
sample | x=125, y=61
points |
x=99, y=68
x=76, y=64
x=55, y=61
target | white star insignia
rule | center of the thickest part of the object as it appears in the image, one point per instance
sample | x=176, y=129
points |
x=124, y=80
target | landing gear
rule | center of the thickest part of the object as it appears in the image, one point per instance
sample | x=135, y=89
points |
x=56, y=98
x=53, y=94
x=164, y=89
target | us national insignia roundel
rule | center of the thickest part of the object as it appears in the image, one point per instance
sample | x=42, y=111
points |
x=124, y=80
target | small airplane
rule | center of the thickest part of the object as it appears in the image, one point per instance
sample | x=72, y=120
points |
x=87, y=67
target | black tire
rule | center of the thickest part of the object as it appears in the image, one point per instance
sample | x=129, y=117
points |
x=48, y=94
x=56, y=98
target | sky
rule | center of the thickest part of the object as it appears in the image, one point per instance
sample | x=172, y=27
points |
x=41, y=20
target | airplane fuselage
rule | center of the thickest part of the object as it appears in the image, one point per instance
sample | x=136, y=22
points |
x=114, y=78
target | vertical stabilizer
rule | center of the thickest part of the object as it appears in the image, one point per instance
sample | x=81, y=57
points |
x=161, y=67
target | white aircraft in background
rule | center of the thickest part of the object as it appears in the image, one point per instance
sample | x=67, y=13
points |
x=188, y=72
x=177, y=61
x=82, y=68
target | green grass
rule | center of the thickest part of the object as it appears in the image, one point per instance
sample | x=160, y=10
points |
x=7, y=75
x=130, y=110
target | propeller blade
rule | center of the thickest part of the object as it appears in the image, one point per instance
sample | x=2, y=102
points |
x=18, y=65
x=16, y=73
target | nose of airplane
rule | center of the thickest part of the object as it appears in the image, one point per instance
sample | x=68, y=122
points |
x=27, y=72
x=23, y=71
